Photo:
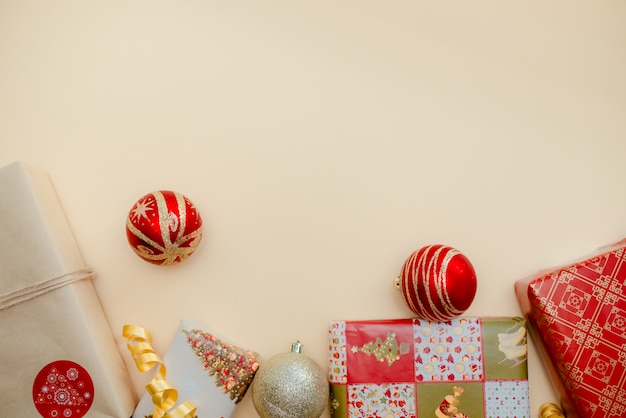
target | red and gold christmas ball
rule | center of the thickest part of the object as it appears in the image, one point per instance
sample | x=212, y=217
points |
x=437, y=283
x=164, y=227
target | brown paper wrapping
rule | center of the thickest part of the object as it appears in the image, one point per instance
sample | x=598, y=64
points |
x=49, y=310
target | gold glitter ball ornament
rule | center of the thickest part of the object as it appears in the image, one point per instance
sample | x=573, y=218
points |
x=290, y=385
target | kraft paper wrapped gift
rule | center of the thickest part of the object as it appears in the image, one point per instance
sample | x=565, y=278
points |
x=465, y=367
x=58, y=354
x=206, y=371
x=577, y=317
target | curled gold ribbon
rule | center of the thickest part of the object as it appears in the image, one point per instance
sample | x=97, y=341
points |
x=550, y=410
x=163, y=394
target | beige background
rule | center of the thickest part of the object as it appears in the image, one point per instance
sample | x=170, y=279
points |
x=322, y=142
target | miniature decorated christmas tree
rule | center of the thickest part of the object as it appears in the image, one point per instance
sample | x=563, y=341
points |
x=232, y=367
x=384, y=350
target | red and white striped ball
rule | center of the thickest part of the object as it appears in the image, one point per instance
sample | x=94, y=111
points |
x=437, y=283
x=164, y=227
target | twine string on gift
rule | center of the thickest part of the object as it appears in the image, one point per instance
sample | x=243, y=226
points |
x=46, y=286
x=163, y=394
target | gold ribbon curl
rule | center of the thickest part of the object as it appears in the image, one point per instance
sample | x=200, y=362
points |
x=163, y=394
x=550, y=410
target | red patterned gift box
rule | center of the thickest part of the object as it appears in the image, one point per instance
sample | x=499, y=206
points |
x=412, y=368
x=577, y=316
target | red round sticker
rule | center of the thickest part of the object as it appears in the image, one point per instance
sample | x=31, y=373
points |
x=63, y=389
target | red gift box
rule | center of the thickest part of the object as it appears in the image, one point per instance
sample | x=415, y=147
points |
x=577, y=317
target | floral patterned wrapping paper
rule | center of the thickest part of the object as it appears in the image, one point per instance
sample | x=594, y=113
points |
x=207, y=371
x=577, y=317
x=411, y=368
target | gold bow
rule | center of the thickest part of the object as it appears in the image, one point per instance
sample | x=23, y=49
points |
x=163, y=394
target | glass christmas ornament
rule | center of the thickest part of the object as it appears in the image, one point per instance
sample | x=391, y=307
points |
x=437, y=283
x=290, y=385
x=164, y=227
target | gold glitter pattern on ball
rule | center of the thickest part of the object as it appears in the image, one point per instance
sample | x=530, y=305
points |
x=290, y=385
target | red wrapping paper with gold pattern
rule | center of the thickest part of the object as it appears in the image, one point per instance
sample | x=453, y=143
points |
x=577, y=316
